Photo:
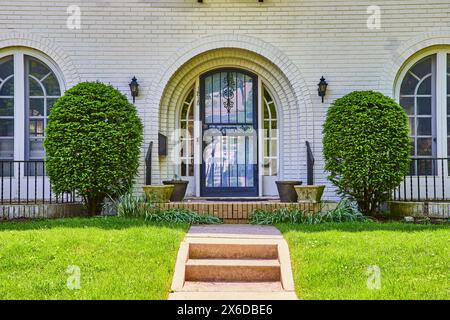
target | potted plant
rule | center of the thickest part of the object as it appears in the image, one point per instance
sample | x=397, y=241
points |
x=286, y=190
x=180, y=187
x=159, y=193
x=309, y=194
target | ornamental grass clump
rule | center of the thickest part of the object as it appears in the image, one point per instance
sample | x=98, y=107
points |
x=180, y=215
x=366, y=147
x=130, y=206
x=344, y=212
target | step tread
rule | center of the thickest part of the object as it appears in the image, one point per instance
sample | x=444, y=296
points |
x=232, y=251
x=282, y=295
x=234, y=262
x=195, y=286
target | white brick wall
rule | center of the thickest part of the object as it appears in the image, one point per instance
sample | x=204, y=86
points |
x=305, y=39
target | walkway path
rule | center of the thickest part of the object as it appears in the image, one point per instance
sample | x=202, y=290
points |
x=220, y=262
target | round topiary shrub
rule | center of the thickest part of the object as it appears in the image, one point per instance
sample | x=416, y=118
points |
x=366, y=147
x=92, y=143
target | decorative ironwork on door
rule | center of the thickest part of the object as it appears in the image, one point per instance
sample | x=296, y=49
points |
x=228, y=107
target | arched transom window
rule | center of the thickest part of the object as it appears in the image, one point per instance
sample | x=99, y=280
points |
x=187, y=136
x=425, y=96
x=25, y=105
x=270, y=143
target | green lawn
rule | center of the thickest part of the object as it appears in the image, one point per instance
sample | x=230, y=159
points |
x=133, y=259
x=117, y=258
x=330, y=261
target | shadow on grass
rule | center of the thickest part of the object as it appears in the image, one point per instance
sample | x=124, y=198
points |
x=362, y=227
x=106, y=223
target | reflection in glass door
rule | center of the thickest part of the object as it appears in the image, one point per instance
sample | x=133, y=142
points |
x=228, y=107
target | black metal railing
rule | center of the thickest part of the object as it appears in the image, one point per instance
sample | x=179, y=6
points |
x=25, y=182
x=428, y=180
x=148, y=165
x=309, y=165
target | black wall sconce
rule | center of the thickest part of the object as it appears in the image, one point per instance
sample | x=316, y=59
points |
x=322, y=87
x=134, y=87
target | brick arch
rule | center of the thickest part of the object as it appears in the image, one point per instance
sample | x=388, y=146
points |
x=293, y=112
x=252, y=44
x=394, y=66
x=49, y=48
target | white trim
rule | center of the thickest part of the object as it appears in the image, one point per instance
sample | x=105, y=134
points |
x=19, y=105
x=280, y=126
x=197, y=137
x=185, y=144
x=260, y=141
x=441, y=106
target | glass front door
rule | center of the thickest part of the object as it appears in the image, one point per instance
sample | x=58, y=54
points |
x=228, y=107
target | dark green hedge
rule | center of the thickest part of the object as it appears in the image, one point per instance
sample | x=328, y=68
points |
x=93, y=141
x=366, y=147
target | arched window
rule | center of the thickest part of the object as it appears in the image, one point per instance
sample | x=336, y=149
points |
x=42, y=90
x=187, y=136
x=7, y=108
x=270, y=142
x=424, y=94
x=24, y=108
x=418, y=99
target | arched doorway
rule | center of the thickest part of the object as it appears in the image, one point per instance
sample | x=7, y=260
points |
x=279, y=125
x=228, y=135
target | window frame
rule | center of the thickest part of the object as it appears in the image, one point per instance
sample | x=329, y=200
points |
x=20, y=93
x=188, y=140
x=440, y=97
x=10, y=57
x=271, y=136
x=416, y=136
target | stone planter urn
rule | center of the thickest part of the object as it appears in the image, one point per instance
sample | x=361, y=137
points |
x=309, y=194
x=179, y=191
x=286, y=190
x=159, y=193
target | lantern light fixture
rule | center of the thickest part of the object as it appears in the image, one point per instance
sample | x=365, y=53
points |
x=322, y=88
x=134, y=88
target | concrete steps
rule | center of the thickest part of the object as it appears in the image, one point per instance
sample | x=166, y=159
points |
x=193, y=286
x=232, y=262
x=232, y=251
x=260, y=296
x=232, y=270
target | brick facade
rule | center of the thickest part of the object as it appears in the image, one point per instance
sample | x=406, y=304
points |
x=290, y=43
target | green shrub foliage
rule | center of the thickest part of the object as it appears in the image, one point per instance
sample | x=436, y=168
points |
x=92, y=143
x=366, y=147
